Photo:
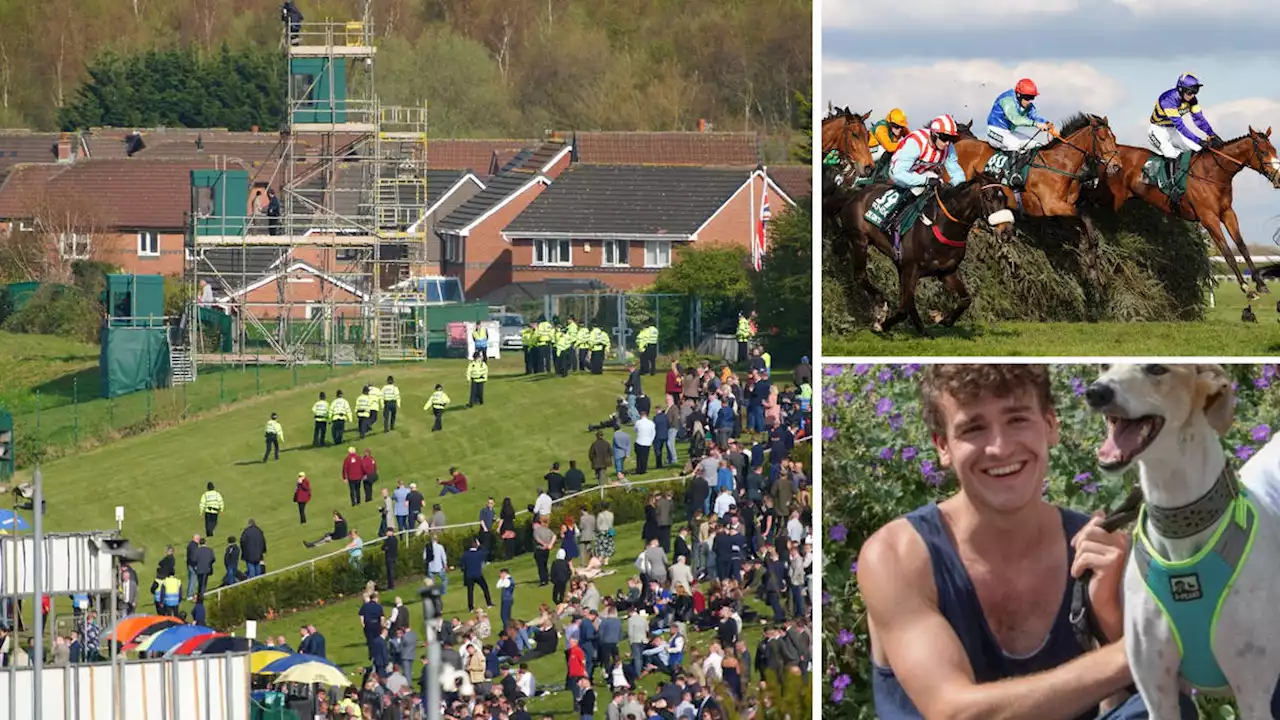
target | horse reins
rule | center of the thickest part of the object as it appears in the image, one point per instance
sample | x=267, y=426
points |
x=1086, y=153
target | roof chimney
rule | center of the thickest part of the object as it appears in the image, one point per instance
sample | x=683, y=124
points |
x=702, y=125
x=65, y=152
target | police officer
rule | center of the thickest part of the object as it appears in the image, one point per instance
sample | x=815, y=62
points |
x=339, y=415
x=527, y=337
x=571, y=333
x=564, y=352
x=320, y=412
x=647, y=342
x=390, y=403
x=375, y=400
x=436, y=404
x=599, y=346
x=169, y=596
x=480, y=338
x=545, y=331
x=364, y=404
x=478, y=374
x=211, y=506
x=275, y=434
x=582, y=346
x=744, y=336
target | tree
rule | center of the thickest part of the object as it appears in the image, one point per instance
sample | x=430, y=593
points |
x=802, y=148
x=716, y=270
x=783, y=289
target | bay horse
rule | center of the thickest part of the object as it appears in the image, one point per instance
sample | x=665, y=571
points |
x=844, y=132
x=933, y=247
x=1208, y=196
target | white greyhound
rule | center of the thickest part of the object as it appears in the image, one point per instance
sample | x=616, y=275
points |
x=1199, y=589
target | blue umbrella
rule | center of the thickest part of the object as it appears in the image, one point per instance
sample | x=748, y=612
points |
x=170, y=638
x=10, y=521
x=284, y=663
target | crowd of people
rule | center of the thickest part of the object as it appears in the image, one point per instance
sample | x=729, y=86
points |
x=740, y=529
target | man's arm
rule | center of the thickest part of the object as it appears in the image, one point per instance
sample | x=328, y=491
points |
x=895, y=577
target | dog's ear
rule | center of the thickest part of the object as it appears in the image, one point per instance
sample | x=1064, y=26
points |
x=1213, y=388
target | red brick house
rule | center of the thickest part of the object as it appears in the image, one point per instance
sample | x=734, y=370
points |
x=298, y=291
x=621, y=224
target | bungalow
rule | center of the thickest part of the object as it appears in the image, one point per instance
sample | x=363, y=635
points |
x=621, y=224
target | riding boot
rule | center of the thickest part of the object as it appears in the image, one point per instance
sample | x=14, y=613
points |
x=1013, y=169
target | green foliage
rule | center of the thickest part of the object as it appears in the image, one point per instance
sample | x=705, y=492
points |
x=879, y=463
x=1147, y=267
x=180, y=87
x=718, y=270
x=784, y=287
x=71, y=311
x=802, y=150
x=335, y=577
x=176, y=296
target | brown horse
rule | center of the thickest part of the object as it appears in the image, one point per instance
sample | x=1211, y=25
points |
x=933, y=247
x=1084, y=144
x=846, y=132
x=1208, y=196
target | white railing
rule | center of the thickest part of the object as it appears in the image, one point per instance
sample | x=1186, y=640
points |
x=628, y=485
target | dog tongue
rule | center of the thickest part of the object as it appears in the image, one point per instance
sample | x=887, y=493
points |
x=1123, y=439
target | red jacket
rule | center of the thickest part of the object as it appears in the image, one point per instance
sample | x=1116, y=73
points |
x=577, y=662
x=369, y=466
x=673, y=382
x=352, y=469
x=302, y=493
x=459, y=481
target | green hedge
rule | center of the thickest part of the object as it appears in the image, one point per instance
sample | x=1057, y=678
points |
x=334, y=578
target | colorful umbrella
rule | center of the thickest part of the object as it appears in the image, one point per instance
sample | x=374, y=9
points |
x=262, y=658
x=170, y=638
x=217, y=645
x=294, y=660
x=314, y=672
x=130, y=627
x=186, y=646
x=10, y=521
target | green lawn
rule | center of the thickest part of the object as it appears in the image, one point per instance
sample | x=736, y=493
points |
x=51, y=385
x=1220, y=334
x=344, y=639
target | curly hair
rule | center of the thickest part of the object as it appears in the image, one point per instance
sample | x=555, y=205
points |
x=966, y=383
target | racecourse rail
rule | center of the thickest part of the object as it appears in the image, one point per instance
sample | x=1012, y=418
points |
x=311, y=562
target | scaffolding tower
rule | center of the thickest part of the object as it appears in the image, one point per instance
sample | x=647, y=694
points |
x=312, y=258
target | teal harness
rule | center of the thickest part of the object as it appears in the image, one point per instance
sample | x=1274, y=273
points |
x=1191, y=592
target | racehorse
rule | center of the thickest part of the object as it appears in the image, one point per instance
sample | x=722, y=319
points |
x=1208, y=195
x=844, y=132
x=933, y=247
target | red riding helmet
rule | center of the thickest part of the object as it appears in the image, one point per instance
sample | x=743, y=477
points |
x=944, y=125
x=1026, y=87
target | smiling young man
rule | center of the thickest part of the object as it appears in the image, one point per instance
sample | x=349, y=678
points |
x=968, y=600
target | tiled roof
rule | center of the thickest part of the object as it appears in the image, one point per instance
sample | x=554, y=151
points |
x=230, y=268
x=476, y=155
x=596, y=200
x=497, y=189
x=795, y=180
x=122, y=193
x=544, y=154
x=27, y=147
x=665, y=148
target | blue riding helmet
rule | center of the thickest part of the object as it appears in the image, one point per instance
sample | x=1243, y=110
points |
x=1189, y=82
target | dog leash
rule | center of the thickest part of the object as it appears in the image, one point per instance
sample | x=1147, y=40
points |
x=1086, y=629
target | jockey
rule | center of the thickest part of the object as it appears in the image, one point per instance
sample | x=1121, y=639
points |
x=1012, y=120
x=886, y=135
x=919, y=158
x=1169, y=134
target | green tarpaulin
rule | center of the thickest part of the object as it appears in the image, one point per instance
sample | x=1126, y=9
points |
x=133, y=359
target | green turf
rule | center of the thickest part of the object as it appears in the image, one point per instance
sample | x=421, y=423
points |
x=344, y=638
x=51, y=385
x=1220, y=334
x=159, y=477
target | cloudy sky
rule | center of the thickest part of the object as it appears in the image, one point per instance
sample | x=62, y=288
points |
x=1110, y=57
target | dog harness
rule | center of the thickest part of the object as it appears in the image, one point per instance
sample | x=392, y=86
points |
x=1190, y=593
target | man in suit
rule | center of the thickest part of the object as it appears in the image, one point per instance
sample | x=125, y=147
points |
x=315, y=642
x=408, y=645
x=205, y=562
x=391, y=551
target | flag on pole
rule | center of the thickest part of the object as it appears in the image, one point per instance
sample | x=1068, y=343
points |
x=759, y=246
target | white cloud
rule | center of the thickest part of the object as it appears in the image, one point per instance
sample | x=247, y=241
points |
x=1147, y=8
x=965, y=88
x=1234, y=117
x=860, y=14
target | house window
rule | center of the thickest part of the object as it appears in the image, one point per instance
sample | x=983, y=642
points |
x=74, y=246
x=613, y=253
x=347, y=255
x=657, y=254
x=551, y=252
x=24, y=226
x=148, y=244
x=452, y=248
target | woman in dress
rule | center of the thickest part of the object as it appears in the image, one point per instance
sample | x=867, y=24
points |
x=650, y=529
x=569, y=539
x=604, y=533
x=507, y=528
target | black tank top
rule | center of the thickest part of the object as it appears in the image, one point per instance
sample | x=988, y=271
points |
x=958, y=603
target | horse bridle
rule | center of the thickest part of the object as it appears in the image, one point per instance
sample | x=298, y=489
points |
x=846, y=157
x=1257, y=155
x=1092, y=158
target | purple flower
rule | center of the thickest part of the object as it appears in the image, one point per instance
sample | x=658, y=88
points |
x=1082, y=478
x=1261, y=433
x=1089, y=488
x=884, y=375
x=831, y=370
x=861, y=368
x=826, y=598
x=868, y=387
x=838, y=532
x=844, y=637
x=837, y=695
x=1077, y=386
x=853, y=567
x=1262, y=383
x=848, y=397
x=1244, y=452
x=886, y=453
x=842, y=681
x=936, y=478
x=828, y=433
x=895, y=422
x=910, y=369
x=883, y=406
x=927, y=467
x=1269, y=371
x=909, y=453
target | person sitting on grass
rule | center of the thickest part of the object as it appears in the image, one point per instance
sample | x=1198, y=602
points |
x=339, y=531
